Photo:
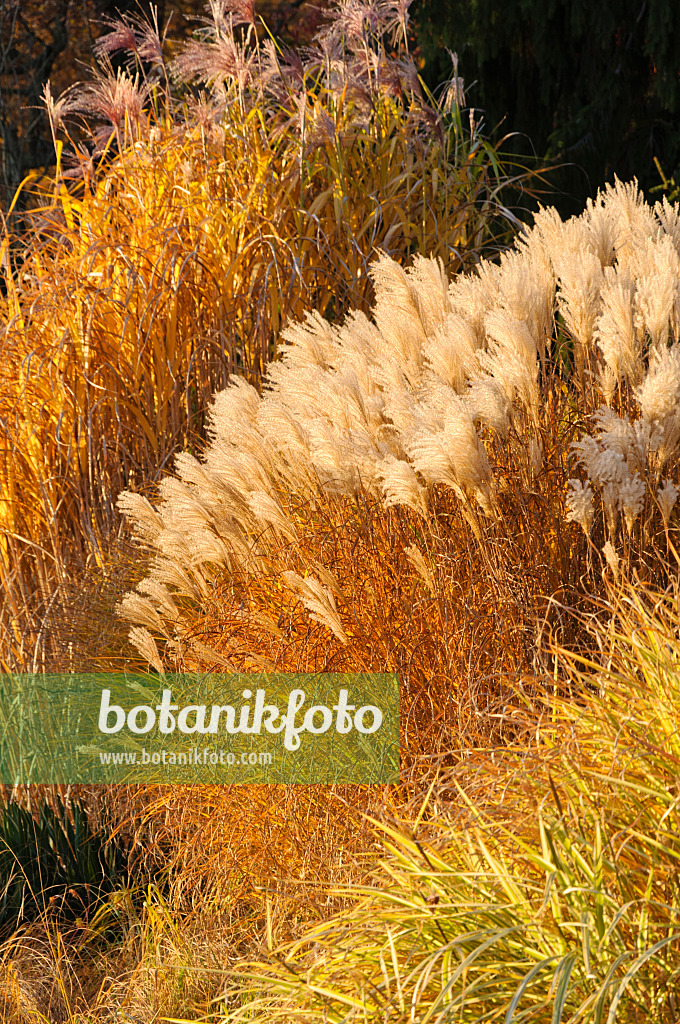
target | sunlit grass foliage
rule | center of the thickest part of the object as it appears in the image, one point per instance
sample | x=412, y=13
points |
x=401, y=495
x=536, y=882
x=197, y=206
x=560, y=902
x=451, y=468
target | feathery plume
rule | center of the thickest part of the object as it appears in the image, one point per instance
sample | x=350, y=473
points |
x=580, y=280
x=580, y=505
x=603, y=230
x=615, y=331
x=67, y=103
x=668, y=216
x=659, y=394
x=269, y=512
x=667, y=497
x=318, y=600
x=400, y=485
x=140, y=609
x=657, y=289
x=489, y=405
x=454, y=92
x=142, y=639
x=212, y=63
x=512, y=360
x=609, y=552
x=631, y=498
x=451, y=351
x=147, y=523
x=417, y=560
x=118, y=100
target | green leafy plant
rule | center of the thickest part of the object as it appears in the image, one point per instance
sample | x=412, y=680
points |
x=55, y=861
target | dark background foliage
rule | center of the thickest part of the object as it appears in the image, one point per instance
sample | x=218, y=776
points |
x=595, y=85
x=55, y=860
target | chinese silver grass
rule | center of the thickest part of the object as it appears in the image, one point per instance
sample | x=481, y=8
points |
x=630, y=440
x=602, y=230
x=146, y=522
x=668, y=215
x=631, y=498
x=612, y=558
x=430, y=288
x=417, y=560
x=615, y=331
x=144, y=642
x=659, y=394
x=474, y=295
x=580, y=286
x=635, y=220
x=511, y=360
x=451, y=351
x=400, y=485
x=161, y=597
x=527, y=290
x=657, y=289
x=659, y=400
x=140, y=609
x=489, y=404
x=170, y=571
x=448, y=385
x=398, y=313
x=267, y=510
x=607, y=468
x=318, y=600
x=454, y=456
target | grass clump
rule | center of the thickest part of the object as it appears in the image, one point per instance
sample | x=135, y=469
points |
x=538, y=881
x=403, y=496
x=444, y=435
x=209, y=200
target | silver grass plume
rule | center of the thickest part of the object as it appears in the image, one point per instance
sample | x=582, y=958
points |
x=318, y=600
x=580, y=505
x=667, y=497
x=422, y=395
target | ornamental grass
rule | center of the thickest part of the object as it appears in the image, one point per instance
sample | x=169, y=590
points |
x=531, y=882
x=198, y=204
x=541, y=885
x=407, y=493
x=422, y=456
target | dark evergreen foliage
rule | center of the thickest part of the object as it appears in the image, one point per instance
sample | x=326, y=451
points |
x=54, y=861
x=596, y=85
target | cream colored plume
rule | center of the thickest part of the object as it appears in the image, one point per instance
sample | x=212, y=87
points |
x=445, y=382
x=417, y=560
x=318, y=600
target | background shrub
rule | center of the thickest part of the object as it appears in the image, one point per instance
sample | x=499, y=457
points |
x=597, y=89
